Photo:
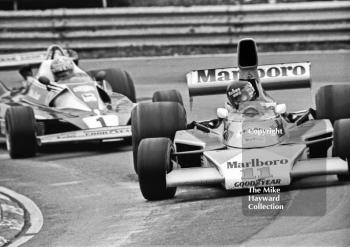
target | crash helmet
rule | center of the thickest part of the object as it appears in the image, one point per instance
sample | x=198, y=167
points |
x=240, y=91
x=62, y=64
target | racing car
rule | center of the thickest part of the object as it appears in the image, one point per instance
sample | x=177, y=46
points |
x=87, y=106
x=258, y=144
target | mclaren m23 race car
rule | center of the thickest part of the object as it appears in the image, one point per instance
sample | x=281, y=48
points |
x=258, y=144
x=88, y=106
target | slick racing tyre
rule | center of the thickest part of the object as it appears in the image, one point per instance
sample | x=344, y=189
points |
x=341, y=144
x=154, y=162
x=167, y=96
x=161, y=119
x=20, y=132
x=333, y=102
x=120, y=81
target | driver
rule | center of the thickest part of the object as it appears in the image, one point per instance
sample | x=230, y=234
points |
x=241, y=91
x=62, y=68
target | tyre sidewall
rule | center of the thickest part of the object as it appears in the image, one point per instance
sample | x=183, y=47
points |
x=341, y=144
x=332, y=102
x=151, y=120
x=154, y=162
x=20, y=132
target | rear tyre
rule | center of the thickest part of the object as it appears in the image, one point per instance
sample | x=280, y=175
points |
x=167, y=96
x=120, y=81
x=332, y=102
x=341, y=144
x=161, y=119
x=154, y=162
x=20, y=132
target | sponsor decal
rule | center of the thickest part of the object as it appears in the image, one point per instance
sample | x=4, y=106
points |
x=256, y=163
x=101, y=121
x=211, y=75
x=89, y=97
x=84, y=89
x=21, y=57
x=235, y=92
x=34, y=94
x=220, y=75
x=257, y=183
x=90, y=133
x=66, y=136
x=107, y=132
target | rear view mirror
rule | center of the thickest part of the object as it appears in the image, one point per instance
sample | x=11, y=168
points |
x=26, y=71
x=281, y=108
x=100, y=76
x=222, y=113
x=44, y=80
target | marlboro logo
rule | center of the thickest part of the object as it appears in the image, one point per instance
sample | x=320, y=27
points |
x=230, y=74
x=255, y=163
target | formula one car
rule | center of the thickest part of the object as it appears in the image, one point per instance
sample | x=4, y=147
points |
x=92, y=106
x=257, y=144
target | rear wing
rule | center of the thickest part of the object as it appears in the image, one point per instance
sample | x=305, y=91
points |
x=271, y=77
x=18, y=60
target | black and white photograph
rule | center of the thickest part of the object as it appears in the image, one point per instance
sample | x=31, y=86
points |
x=174, y=123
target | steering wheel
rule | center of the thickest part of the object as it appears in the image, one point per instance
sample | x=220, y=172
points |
x=52, y=50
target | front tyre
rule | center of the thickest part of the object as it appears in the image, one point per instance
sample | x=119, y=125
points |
x=161, y=119
x=341, y=144
x=20, y=132
x=332, y=102
x=154, y=162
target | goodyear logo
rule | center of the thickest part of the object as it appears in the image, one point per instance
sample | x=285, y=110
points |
x=258, y=182
x=108, y=132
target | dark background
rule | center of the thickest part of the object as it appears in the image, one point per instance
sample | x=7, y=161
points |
x=52, y=4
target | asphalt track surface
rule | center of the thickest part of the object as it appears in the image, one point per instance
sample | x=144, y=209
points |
x=89, y=195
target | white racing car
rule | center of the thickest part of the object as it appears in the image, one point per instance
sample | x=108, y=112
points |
x=257, y=144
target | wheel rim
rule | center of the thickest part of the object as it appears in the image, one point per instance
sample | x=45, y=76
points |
x=170, y=160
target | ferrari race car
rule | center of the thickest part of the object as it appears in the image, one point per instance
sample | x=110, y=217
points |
x=88, y=106
x=258, y=144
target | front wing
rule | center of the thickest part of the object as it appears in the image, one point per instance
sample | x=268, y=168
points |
x=275, y=166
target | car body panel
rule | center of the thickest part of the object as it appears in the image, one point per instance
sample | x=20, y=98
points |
x=251, y=167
